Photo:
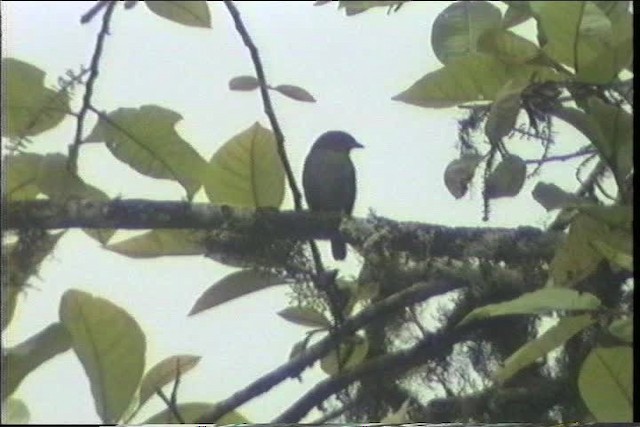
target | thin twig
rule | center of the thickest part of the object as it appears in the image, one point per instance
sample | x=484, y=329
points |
x=277, y=131
x=95, y=9
x=88, y=93
x=176, y=383
x=174, y=409
x=562, y=157
x=266, y=101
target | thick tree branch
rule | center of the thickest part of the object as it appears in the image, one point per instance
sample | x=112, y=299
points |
x=372, y=237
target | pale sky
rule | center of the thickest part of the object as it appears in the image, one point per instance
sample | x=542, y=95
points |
x=352, y=65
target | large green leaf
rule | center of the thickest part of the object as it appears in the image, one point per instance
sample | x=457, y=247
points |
x=234, y=286
x=581, y=35
x=246, y=171
x=145, y=138
x=537, y=348
x=507, y=46
x=507, y=179
x=456, y=29
x=111, y=347
x=455, y=84
x=616, y=145
x=623, y=328
x=606, y=384
x=192, y=411
x=28, y=107
x=163, y=373
x=157, y=243
x=21, y=177
x=504, y=111
x=537, y=302
x=14, y=411
x=21, y=360
x=193, y=13
x=576, y=258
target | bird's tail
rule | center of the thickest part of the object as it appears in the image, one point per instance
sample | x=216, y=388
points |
x=338, y=248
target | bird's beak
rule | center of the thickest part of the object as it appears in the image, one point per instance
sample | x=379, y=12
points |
x=356, y=144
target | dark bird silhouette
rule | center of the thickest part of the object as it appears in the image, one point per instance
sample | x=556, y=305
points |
x=329, y=179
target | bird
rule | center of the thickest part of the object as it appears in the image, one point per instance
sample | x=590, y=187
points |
x=329, y=179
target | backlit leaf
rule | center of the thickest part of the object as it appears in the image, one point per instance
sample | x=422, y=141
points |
x=111, y=347
x=246, y=171
x=193, y=13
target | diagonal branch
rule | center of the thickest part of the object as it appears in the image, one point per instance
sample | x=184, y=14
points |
x=434, y=344
x=292, y=369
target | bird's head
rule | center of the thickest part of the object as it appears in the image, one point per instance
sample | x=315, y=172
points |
x=336, y=140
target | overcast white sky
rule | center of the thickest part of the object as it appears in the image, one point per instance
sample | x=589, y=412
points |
x=352, y=65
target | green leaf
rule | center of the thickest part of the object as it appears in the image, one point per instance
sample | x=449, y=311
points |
x=56, y=182
x=165, y=372
x=244, y=83
x=21, y=176
x=551, y=197
x=192, y=411
x=14, y=411
x=459, y=173
x=578, y=256
x=605, y=383
x=189, y=13
x=616, y=145
x=504, y=111
x=623, y=328
x=353, y=7
x=454, y=84
x=295, y=92
x=537, y=348
x=234, y=286
x=581, y=35
x=619, y=217
x=28, y=107
x=456, y=29
x=161, y=242
x=537, y=302
x=305, y=316
x=507, y=46
x=507, y=179
x=246, y=171
x=21, y=360
x=352, y=352
x=111, y=347
x=617, y=256
x=145, y=138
